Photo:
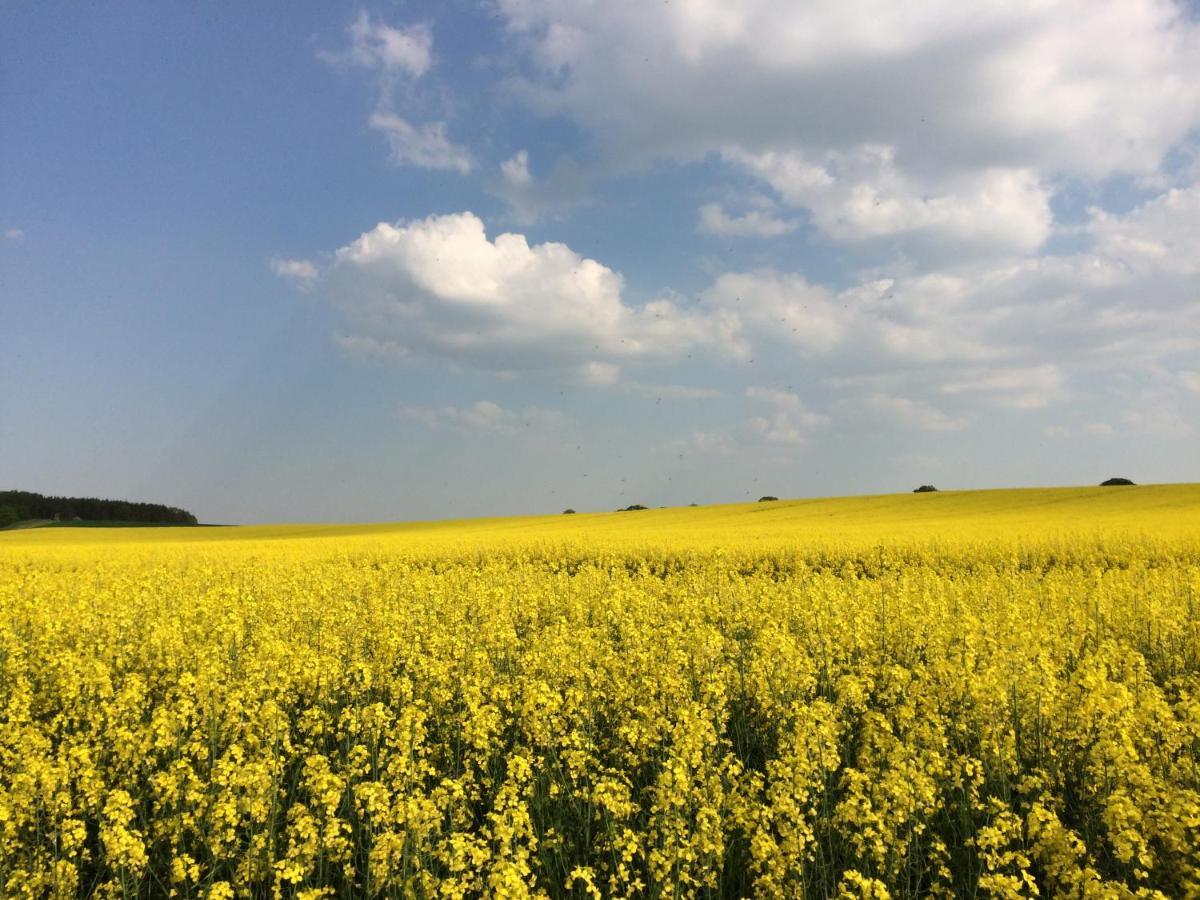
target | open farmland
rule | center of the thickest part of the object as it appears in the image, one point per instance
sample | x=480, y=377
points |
x=991, y=693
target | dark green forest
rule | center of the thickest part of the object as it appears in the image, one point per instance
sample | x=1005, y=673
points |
x=17, y=506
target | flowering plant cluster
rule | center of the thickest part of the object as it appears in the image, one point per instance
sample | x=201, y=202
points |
x=372, y=716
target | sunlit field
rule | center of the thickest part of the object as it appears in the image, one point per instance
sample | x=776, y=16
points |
x=989, y=693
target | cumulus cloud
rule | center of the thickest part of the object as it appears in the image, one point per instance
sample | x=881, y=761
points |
x=1035, y=84
x=486, y=417
x=942, y=131
x=1162, y=235
x=862, y=195
x=300, y=272
x=916, y=319
x=933, y=126
x=440, y=289
x=14, y=234
x=983, y=329
x=927, y=348
x=781, y=304
x=715, y=220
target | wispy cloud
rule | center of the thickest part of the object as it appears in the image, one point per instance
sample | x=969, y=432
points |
x=301, y=272
x=759, y=223
x=424, y=146
x=385, y=50
x=397, y=58
x=789, y=420
x=486, y=417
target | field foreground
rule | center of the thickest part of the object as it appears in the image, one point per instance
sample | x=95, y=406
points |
x=990, y=693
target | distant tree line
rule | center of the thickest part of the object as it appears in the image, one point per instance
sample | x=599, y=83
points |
x=16, y=506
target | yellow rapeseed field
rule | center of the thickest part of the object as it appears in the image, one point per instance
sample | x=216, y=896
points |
x=987, y=693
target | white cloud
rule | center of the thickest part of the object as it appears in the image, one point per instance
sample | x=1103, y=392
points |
x=515, y=170
x=385, y=49
x=1034, y=387
x=784, y=305
x=939, y=133
x=14, y=234
x=671, y=392
x=439, y=289
x=1155, y=411
x=987, y=327
x=925, y=319
x=925, y=349
x=862, y=195
x=366, y=347
x=784, y=421
x=397, y=58
x=530, y=198
x=424, y=146
x=486, y=417
x=699, y=443
x=788, y=420
x=934, y=126
x=715, y=220
x=600, y=374
x=427, y=416
x=607, y=375
x=1162, y=234
x=1079, y=86
x=905, y=412
x=710, y=442
x=301, y=272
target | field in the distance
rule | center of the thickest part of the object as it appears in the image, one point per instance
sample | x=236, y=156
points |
x=1162, y=509
x=992, y=693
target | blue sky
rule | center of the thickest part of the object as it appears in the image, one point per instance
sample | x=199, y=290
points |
x=349, y=263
